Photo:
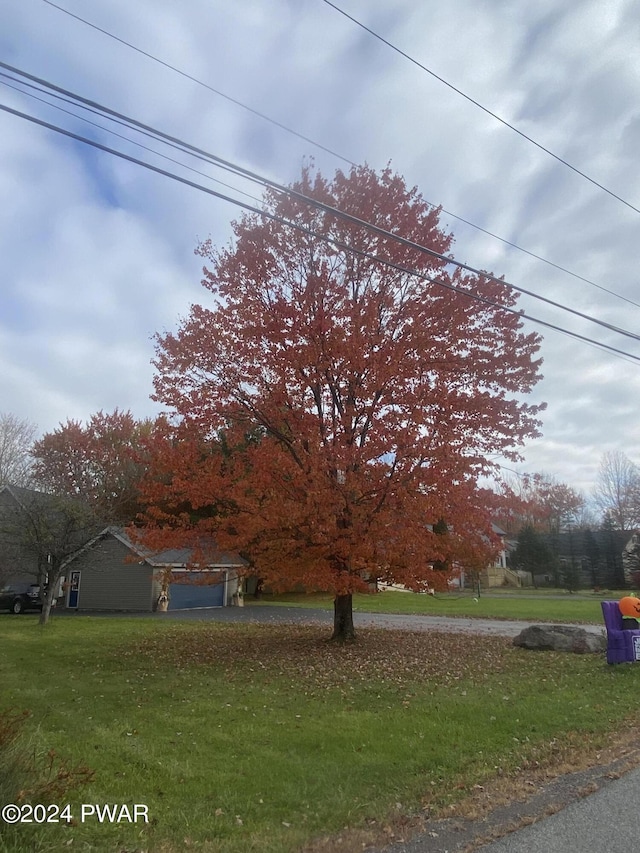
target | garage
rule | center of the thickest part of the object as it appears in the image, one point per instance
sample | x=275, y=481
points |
x=198, y=589
x=119, y=573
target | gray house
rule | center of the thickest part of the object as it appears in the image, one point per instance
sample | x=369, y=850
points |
x=112, y=572
x=17, y=562
x=38, y=532
x=104, y=570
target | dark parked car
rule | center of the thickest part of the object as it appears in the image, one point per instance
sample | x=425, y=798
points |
x=20, y=597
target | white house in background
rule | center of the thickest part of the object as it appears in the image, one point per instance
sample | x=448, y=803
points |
x=497, y=574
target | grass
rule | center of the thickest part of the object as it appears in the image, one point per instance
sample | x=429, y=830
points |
x=563, y=608
x=267, y=738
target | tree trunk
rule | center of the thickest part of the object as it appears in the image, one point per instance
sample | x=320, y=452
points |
x=48, y=591
x=343, y=629
x=47, y=598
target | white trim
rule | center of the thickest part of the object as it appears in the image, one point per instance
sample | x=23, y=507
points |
x=69, y=591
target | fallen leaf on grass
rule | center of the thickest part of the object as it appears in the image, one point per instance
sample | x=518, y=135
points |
x=380, y=657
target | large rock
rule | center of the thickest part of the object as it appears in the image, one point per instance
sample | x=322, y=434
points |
x=560, y=638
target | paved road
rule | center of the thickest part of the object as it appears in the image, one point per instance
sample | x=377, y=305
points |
x=605, y=822
x=502, y=628
x=304, y=615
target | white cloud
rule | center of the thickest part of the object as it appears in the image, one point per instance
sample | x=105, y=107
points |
x=96, y=254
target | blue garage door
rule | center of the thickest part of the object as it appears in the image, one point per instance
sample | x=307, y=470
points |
x=197, y=593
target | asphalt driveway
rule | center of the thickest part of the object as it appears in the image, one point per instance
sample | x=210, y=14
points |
x=266, y=614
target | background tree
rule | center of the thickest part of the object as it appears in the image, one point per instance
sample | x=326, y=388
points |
x=380, y=395
x=100, y=462
x=560, y=505
x=617, y=492
x=587, y=516
x=594, y=556
x=571, y=567
x=537, y=500
x=612, y=553
x=532, y=554
x=16, y=439
x=571, y=574
x=38, y=533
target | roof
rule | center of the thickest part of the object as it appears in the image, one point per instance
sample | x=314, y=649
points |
x=24, y=496
x=576, y=542
x=32, y=499
x=172, y=557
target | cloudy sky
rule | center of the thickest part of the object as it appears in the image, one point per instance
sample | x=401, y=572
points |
x=96, y=254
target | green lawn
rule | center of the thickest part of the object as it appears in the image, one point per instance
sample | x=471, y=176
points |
x=556, y=607
x=262, y=738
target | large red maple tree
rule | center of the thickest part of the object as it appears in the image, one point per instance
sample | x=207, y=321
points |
x=360, y=400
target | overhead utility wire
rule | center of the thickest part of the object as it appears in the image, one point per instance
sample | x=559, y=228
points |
x=120, y=118
x=266, y=182
x=329, y=151
x=540, y=258
x=199, y=82
x=274, y=217
x=479, y=105
x=113, y=132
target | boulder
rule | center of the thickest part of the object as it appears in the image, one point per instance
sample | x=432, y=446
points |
x=560, y=638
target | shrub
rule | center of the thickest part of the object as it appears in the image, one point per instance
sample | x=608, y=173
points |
x=28, y=776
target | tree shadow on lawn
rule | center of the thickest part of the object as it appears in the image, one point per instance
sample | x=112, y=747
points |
x=395, y=657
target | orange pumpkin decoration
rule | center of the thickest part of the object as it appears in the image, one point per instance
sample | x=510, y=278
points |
x=630, y=607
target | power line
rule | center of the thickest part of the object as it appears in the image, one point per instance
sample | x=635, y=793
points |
x=199, y=82
x=324, y=148
x=267, y=183
x=543, y=260
x=288, y=223
x=478, y=104
x=113, y=132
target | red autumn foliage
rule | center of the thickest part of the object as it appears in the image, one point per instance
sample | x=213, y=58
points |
x=100, y=461
x=538, y=501
x=358, y=404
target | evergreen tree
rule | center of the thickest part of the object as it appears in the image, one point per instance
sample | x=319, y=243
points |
x=532, y=554
x=571, y=570
x=612, y=556
x=594, y=556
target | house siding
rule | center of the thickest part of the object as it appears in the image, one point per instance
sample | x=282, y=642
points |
x=109, y=582
x=16, y=564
